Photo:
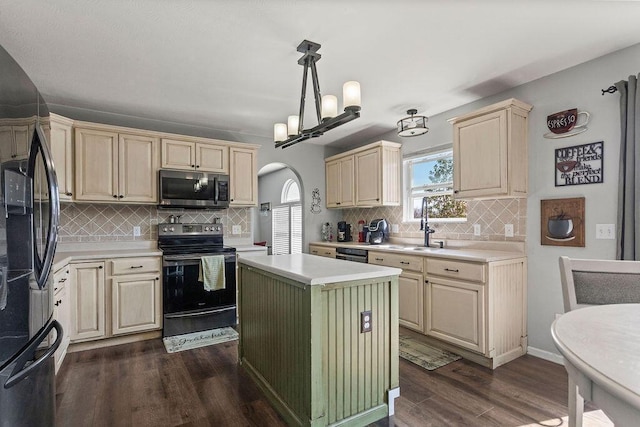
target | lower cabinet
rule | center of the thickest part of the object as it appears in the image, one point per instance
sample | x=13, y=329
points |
x=62, y=312
x=131, y=302
x=410, y=286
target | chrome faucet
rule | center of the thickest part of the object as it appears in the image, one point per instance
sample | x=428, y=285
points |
x=424, y=225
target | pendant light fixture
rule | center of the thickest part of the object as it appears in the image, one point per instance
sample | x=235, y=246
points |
x=413, y=125
x=292, y=132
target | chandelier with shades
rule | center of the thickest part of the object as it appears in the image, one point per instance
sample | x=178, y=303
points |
x=292, y=132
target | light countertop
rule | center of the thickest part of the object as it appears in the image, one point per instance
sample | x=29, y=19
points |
x=315, y=270
x=459, y=253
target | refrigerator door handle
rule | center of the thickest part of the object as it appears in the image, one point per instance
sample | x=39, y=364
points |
x=26, y=355
x=54, y=208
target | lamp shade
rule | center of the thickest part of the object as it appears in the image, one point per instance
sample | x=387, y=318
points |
x=280, y=132
x=292, y=125
x=351, y=95
x=412, y=125
x=329, y=106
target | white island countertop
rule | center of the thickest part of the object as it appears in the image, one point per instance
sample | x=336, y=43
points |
x=315, y=270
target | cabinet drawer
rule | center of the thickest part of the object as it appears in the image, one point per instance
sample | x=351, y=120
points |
x=322, y=251
x=405, y=262
x=456, y=269
x=60, y=278
x=135, y=265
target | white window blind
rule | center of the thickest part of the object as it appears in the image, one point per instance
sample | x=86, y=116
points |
x=280, y=230
x=286, y=227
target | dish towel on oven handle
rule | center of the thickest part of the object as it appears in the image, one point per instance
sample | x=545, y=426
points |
x=211, y=272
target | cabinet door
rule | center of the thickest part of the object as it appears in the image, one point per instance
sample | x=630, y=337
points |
x=332, y=176
x=6, y=143
x=178, y=154
x=411, y=297
x=22, y=141
x=346, y=187
x=135, y=304
x=96, y=165
x=455, y=312
x=368, y=182
x=61, y=144
x=322, y=251
x=480, y=156
x=243, y=177
x=62, y=313
x=212, y=158
x=138, y=168
x=87, y=301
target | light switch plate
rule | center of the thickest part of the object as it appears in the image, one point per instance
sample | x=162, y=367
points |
x=508, y=230
x=136, y=231
x=236, y=229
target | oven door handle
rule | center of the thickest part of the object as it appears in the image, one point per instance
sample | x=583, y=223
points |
x=199, y=313
x=216, y=191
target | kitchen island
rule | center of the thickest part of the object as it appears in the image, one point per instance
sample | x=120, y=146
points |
x=320, y=337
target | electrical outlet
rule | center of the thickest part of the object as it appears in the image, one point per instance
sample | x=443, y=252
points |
x=605, y=231
x=136, y=231
x=236, y=229
x=395, y=228
x=365, y=321
x=476, y=229
x=508, y=230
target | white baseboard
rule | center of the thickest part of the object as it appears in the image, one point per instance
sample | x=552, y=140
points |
x=546, y=355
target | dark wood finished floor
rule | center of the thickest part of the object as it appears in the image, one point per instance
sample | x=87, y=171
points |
x=140, y=384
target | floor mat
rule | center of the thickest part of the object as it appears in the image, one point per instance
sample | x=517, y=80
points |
x=199, y=339
x=424, y=355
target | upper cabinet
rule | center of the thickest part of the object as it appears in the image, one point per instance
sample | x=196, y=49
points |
x=490, y=151
x=14, y=138
x=114, y=167
x=243, y=176
x=59, y=134
x=190, y=155
x=365, y=177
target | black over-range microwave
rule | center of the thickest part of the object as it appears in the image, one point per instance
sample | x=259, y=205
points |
x=193, y=190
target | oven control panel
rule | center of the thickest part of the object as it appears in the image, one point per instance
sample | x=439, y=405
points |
x=176, y=229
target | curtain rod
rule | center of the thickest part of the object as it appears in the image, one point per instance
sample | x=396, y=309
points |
x=610, y=89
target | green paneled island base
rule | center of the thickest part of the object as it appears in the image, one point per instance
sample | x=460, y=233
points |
x=320, y=337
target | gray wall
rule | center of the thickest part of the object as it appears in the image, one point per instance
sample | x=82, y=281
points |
x=579, y=87
x=270, y=190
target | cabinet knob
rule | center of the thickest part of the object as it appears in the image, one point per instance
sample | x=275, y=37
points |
x=426, y=281
x=57, y=303
x=379, y=259
x=115, y=196
x=377, y=200
x=69, y=194
x=193, y=166
x=100, y=267
x=197, y=166
x=120, y=196
x=455, y=191
x=404, y=262
x=231, y=200
x=157, y=278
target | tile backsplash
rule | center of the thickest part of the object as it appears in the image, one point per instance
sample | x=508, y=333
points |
x=109, y=222
x=491, y=214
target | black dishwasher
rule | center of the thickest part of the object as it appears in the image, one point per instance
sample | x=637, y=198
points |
x=352, y=254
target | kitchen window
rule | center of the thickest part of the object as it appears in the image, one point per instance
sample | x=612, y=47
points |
x=286, y=221
x=431, y=175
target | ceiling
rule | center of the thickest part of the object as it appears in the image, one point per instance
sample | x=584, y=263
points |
x=232, y=65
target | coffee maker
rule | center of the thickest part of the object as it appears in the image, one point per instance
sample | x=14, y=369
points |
x=344, y=231
x=378, y=231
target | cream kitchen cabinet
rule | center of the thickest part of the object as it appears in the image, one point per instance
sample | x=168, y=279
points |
x=322, y=251
x=340, y=175
x=243, y=176
x=490, y=151
x=14, y=140
x=410, y=286
x=88, y=311
x=60, y=137
x=115, y=167
x=479, y=307
x=62, y=312
x=136, y=303
x=192, y=155
x=377, y=170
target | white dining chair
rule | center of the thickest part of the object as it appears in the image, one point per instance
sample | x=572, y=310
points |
x=587, y=282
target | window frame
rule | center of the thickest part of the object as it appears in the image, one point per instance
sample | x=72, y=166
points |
x=409, y=192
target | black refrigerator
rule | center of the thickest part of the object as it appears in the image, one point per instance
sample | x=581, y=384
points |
x=29, y=209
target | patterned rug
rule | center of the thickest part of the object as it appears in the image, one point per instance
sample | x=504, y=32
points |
x=424, y=355
x=199, y=339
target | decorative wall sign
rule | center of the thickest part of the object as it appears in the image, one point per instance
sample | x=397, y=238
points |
x=265, y=207
x=562, y=222
x=580, y=164
x=566, y=123
x=315, y=201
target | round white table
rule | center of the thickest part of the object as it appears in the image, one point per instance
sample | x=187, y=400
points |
x=601, y=349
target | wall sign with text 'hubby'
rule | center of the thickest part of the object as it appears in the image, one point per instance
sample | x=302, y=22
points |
x=580, y=164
